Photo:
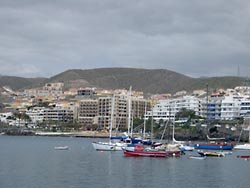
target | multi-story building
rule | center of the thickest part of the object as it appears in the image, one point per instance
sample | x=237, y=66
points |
x=230, y=108
x=5, y=117
x=86, y=93
x=57, y=115
x=51, y=89
x=245, y=106
x=104, y=112
x=166, y=109
x=121, y=111
x=36, y=114
x=139, y=107
x=88, y=110
x=214, y=107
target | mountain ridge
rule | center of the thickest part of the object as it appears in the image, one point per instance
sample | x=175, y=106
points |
x=150, y=81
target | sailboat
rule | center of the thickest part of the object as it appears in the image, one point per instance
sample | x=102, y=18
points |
x=109, y=146
x=135, y=140
x=245, y=146
x=140, y=150
x=176, y=145
x=172, y=149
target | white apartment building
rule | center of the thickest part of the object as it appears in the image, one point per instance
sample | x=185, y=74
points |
x=230, y=108
x=211, y=107
x=235, y=106
x=36, y=114
x=166, y=109
x=245, y=107
x=216, y=107
x=4, y=117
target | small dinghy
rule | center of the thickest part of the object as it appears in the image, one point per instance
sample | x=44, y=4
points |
x=197, y=157
x=61, y=147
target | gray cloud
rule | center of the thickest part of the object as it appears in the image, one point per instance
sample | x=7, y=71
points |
x=195, y=38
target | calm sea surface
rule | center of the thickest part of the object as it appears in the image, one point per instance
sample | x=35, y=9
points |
x=32, y=162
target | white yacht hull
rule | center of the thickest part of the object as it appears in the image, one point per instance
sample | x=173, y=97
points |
x=242, y=147
x=106, y=146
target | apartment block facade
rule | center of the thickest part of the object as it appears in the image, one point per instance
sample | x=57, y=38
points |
x=87, y=112
x=215, y=107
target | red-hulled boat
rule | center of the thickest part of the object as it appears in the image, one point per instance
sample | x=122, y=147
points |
x=244, y=156
x=139, y=151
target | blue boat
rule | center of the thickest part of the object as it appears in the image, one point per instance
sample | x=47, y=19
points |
x=137, y=140
x=214, y=146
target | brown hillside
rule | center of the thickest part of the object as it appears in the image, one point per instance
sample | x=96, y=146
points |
x=146, y=80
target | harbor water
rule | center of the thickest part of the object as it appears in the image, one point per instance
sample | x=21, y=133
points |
x=33, y=162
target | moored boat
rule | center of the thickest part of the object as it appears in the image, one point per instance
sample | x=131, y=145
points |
x=139, y=151
x=183, y=147
x=172, y=149
x=214, y=146
x=242, y=146
x=197, y=157
x=225, y=152
x=210, y=154
x=107, y=146
x=174, y=153
x=61, y=147
x=244, y=156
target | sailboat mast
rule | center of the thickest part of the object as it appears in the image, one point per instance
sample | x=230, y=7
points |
x=173, y=121
x=248, y=123
x=129, y=112
x=144, y=123
x=152, y=124
x=207, y=120
x=249, y=134
x=112, y=116
x=173, y=130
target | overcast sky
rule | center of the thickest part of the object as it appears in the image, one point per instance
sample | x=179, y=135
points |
x=193, y=37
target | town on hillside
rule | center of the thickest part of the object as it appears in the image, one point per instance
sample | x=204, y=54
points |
x=51, y=108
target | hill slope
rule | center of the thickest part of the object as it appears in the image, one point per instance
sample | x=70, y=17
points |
x=146, y=80
x=17, y=83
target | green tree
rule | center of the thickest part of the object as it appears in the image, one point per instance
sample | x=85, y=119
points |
x=185, y=113
x=137, y=121
x=22, y=116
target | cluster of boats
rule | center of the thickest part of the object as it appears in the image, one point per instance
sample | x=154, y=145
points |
x=139, y=149
x=144, y=149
